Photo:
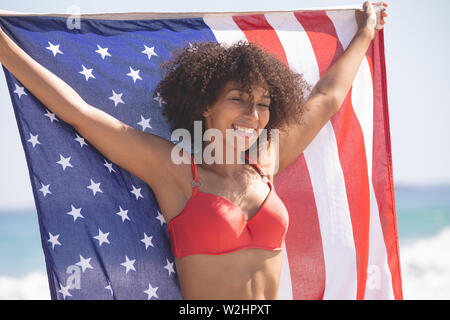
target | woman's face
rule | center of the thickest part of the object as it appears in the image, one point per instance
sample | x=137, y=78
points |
x=232, y=112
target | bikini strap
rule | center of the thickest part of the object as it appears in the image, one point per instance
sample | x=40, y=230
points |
x=195, y=182
x=260, y=171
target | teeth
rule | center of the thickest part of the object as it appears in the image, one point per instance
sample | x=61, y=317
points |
x=244, y=129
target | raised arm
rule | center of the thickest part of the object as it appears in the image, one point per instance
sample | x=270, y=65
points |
x=142, y=154
x=330, y=91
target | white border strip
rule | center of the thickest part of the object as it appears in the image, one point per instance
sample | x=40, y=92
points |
x=169, y=15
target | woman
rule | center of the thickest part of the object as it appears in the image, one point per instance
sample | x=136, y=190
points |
x=226, y=223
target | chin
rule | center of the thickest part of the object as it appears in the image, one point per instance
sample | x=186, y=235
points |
x=245, y=145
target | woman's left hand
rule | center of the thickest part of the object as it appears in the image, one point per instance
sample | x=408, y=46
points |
x=367, y=18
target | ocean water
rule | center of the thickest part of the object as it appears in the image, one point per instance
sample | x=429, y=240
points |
x=423, y=216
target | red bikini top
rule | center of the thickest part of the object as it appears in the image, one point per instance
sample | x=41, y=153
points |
x=210, y=224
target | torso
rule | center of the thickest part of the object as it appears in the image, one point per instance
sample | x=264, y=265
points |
x=245, y=274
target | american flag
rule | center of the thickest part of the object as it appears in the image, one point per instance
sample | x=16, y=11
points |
x=102, y=233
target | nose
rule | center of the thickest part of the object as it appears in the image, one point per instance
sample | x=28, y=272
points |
x=251, y=111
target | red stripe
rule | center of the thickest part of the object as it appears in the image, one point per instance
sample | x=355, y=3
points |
x=382, y=177
x=303, y=240
x=350, y=141
x=257, y=30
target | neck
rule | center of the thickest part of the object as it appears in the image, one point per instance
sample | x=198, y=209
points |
x=216, y=160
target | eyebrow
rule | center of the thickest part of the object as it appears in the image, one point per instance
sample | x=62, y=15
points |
x=240, y=89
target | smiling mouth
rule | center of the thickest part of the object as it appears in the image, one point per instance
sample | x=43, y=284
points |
x=242, y=131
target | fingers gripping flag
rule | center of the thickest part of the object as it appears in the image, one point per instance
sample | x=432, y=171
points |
x=102, y=232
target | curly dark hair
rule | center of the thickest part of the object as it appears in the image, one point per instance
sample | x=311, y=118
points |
x=198, y=72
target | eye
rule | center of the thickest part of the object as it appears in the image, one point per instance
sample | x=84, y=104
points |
x=236, y=99
x=263, y=105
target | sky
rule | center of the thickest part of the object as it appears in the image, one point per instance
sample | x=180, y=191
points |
x=417, y=51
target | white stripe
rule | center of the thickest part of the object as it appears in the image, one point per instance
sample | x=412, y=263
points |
x=345, y=24
x=224, y=29
x=379, y=281
x=297, y=47
x=326, y=174
x=227, y=32
x=362, y=101
x=334, y=215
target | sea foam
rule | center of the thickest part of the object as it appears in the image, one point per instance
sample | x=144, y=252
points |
x=32, y=286
x=426, y=267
